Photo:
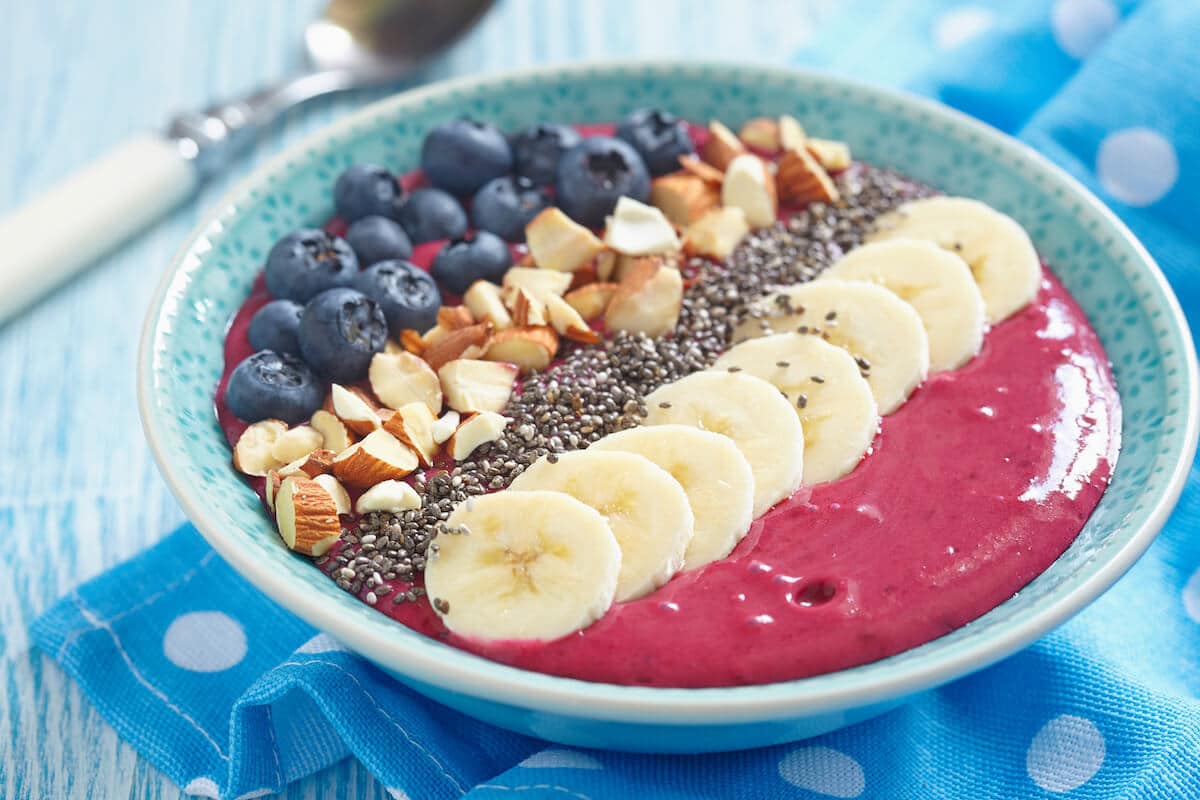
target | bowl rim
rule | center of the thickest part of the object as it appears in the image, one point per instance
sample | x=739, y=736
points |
x=473, y=676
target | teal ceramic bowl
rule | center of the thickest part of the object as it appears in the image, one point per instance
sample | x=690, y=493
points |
x=1097, y=258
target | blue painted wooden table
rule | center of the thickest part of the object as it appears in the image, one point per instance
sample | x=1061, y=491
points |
x=78, y=489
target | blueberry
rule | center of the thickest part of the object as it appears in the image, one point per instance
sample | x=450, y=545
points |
x=407, y=294
x=537, y=150
x=270, y=385
x=339, y=332
x=274, y=327
x=461, y=155
x=376, y=239
x=430, y=214
x=307, y=262
x=366, y=190
x=479, y=256
x=506, y=205
x=594, y=174
x=659, y=137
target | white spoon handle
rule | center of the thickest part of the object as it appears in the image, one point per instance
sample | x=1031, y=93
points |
x=71, y=224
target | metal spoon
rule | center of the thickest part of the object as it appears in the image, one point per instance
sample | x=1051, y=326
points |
x=356, y=44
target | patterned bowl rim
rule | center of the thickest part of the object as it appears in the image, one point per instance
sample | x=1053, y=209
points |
x=429, y=662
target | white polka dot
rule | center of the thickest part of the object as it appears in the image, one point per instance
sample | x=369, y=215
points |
x=960, y=25
x=203, y=787
x=1191, y=596
x=1065, y=753
x=1080, y=25
x=205, y=641
x=823, y=770
x=397, y=794
x=322, y=643
x=561, y=759
x=1137, y=165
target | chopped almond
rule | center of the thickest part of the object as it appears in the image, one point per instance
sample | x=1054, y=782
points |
x=457, y=343
x=606, y=264
x=475, y=430
x=525, y=309
x=591, y=300
x=529, y=348
x=413, y=424
x=454, y=317
x=717, y=233
x=403, y=378
x=538, y=282
x=252, y=455
x=558, y=242
x=391, y=497
x=444, y=426
x=297, y=443
x=335, y=435
x=637, y=229
x=750, y=186
x=683, y=197
x=802, y=180
x=378, y=457
x=353, y=408
x=477, y=385
x=830, y=154
x=341, y=498
x=647, y=301
x=274, y=479
x=307, y=516
x=722, y=146
x=567, y=321
x=483, y=298
x=791, y=133
x=705, y=172
x=761, y=133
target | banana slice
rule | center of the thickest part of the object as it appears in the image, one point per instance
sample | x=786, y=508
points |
x=645, y=507
x=748, y=410
x=713, y=473
x=995, y=247
x=836, y=407
x=875, y=326
x=530, y=565
x=936, y=282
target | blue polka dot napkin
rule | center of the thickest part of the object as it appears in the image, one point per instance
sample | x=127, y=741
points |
x=232, y=697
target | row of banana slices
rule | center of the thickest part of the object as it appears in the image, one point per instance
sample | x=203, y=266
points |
x=797, y=400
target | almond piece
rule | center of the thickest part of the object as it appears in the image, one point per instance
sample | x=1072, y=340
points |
x=404, y=378
x=378, y=457
x=389, y=496
x=705, y=172
x=636, y=229
x=722, y=146
x=802, y=180
x=353, y=409
x=558, y=242
x=591, y=300
x=750, y=186
x=483, y=298
x=296, y=443
x=445, y=426
x=391, y=346
x=717, y=233
x=274, y=479
x=410, y=341
x=412, y=424
x=454, y=317
x=318, y=462
x=761, y=133
x=477, y=385
x=647, y=301
x=529, y=348
x=538, y=282
x=252, y=455
x=341, y=498
x=606, y=263
x=791, y=133
x=475, y=430
x=830, y=154
x=567, y=321
x=307, y=516
x=525, y=309
x=684, y=198
x=457, y=343
x=335, y=435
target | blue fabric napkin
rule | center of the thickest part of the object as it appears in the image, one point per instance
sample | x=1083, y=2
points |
x=232, y=697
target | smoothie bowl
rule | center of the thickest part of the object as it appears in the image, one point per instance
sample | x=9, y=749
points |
x=727, y=407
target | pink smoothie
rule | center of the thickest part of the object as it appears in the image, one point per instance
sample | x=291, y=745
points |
x=980, y=481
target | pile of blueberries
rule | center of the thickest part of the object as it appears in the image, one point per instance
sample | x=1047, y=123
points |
x=336, y=300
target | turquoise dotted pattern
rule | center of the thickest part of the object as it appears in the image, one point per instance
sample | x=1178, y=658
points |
x=1099, y=262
